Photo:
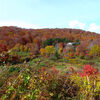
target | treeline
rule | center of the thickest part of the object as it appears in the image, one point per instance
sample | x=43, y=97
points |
x=11, y=36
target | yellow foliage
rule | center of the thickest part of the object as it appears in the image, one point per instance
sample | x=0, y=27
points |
x=42, y=50
x=95, y=51
x=86, y=84
x=60, y=50
x=49, y=49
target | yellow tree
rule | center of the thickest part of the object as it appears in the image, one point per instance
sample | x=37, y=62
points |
x=95, y=51
x=49, y=50
x=42, y=51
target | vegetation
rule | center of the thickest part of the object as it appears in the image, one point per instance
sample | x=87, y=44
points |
x=54, y=41
x=49, y=64
x=95, y=51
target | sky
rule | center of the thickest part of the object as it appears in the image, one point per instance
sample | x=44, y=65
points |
x=78, y=14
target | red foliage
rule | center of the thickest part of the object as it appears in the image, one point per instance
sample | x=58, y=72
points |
x=3, y=48
x=89, y=71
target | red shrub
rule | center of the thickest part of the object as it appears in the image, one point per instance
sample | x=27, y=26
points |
x=89, y=71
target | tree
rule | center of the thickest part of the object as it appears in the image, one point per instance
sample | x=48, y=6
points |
x=49, y=50
x=42, y=51
x=95, y=51
x=48, y=42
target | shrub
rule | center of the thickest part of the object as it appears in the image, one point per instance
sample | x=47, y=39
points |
x=89, y=71
x=90, y=84
x=87, y=82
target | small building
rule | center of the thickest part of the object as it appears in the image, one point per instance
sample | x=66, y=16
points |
x=68, y=45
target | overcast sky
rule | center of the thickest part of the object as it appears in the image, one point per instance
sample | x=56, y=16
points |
x=79, y=14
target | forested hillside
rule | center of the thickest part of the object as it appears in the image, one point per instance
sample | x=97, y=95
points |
x=13, y=35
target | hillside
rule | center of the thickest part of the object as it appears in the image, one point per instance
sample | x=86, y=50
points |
x=13, y=35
